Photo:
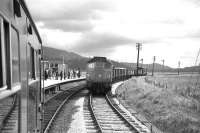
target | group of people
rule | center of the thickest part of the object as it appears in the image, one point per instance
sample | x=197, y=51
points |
x=70, y=74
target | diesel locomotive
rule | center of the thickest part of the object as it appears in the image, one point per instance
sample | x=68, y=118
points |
x=101, y=74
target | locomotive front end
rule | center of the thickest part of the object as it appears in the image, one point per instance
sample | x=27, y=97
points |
x=99, y=75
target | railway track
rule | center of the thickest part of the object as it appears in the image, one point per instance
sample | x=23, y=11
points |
x=108, y=117
x=10, y=118
x=54, y=105
x=91, y=123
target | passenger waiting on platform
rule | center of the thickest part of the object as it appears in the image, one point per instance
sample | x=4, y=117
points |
x=56, y=75
x=45, y=74
x=71, y=74
x=68, y=74
x=49, y=73
x=78, y=73
x=61, y=75
x=64, y=75
x=74, y=74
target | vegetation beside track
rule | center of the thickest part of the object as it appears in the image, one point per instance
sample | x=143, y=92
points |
x=170, y=102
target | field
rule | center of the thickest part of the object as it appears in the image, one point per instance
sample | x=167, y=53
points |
x=171, y=102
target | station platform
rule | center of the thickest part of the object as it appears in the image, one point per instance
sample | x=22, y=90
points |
x=50, y=82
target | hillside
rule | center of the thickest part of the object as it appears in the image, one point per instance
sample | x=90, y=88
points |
x=74, y=61
x=157, y=67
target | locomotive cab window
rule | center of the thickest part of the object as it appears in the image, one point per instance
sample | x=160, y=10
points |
x=91, y=65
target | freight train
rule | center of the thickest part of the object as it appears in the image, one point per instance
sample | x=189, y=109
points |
x=101, y=74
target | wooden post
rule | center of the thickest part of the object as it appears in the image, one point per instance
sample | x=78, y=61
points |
x=138, y=46
x=154, y=59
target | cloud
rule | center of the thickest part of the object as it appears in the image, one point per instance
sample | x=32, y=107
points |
x=111, y=28
x=195, y=2
x=69, y=25
x=72, y=16
x=65, y=9
x=194, y=34
x=173, y=21
x=92, y=42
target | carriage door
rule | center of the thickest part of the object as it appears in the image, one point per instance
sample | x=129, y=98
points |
x=33, y=89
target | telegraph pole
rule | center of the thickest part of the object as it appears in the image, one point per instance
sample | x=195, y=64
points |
x=179, y=64
x=163, y=63
x=138, y=46
x=154, y=59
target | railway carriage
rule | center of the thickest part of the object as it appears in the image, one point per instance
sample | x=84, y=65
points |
x=20, y=74
x=120, y=73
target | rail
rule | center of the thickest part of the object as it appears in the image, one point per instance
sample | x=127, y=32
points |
x=58, y=110
x=93, y=114
x=113, y=107
x=14, y=102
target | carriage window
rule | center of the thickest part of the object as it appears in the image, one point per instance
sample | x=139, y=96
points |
x=1, y=67
x=15, y=55
x=32, y=58
x=31, y=61
x=37, y=64
x=6, y=56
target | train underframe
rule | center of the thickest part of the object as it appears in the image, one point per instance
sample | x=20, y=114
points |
x=99, y=87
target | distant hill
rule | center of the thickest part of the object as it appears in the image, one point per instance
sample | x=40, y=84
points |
x=74, y=61
x=190, y=69
x=157, y=67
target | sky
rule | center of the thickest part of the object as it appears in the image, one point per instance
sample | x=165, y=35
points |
x=167, y=29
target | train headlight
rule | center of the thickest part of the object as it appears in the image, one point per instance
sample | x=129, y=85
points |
x=99, y=75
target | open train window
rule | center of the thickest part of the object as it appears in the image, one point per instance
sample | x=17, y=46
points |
x=16, y=7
